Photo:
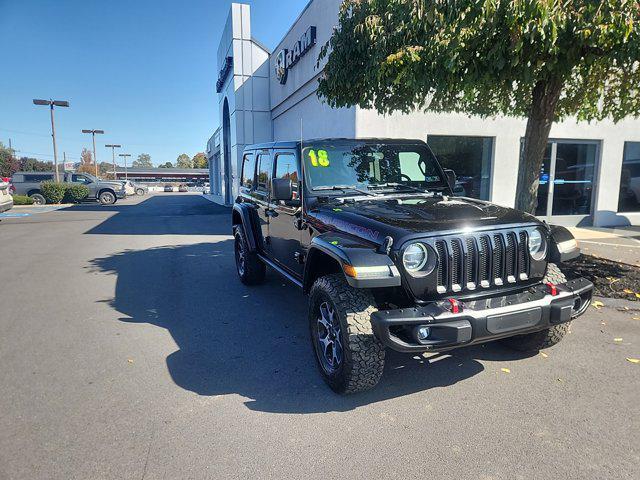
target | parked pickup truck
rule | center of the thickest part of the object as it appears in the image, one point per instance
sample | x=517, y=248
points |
x=391, y=259
x=105, y=191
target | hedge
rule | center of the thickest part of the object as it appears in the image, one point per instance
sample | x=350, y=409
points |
x=75, y=193
x=22, y=200
x=53, y=192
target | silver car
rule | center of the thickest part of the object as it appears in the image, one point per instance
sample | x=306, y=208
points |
x=6, y=200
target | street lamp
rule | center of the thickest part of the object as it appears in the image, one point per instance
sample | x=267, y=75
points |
x=51, y=104
x=93, y=135
x=113, y=156
x=125, y=155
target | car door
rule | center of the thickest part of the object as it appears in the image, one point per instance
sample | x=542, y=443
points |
x=262, y=191
x=86, y=181
x=284, y=237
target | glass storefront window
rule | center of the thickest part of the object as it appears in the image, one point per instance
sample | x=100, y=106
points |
x=629, y=199
x=470, y=158
x=567, y=178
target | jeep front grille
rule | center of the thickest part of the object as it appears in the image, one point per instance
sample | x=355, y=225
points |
x=481, y=260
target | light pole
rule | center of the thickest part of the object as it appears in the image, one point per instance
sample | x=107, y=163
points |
x=51, y=104
x=93, y=135
x=113, y=156
x=125, y=155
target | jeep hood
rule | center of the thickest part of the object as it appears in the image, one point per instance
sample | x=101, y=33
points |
x=413, y=217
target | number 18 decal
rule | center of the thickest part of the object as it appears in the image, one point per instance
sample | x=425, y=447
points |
x=319, y=159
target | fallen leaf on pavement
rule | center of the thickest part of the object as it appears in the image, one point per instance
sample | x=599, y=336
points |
x=617, y=339
x=505, y=370
x=544, y=355
x=633, y=360
x=597, y=304
x=130, y=360
x=626, y=290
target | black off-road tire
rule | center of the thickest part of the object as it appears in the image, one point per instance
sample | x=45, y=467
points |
x=363, y=355
x=533, y=342
x=252, y=271
x=140, y=192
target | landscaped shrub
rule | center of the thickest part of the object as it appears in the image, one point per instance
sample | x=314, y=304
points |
x=75, y=193
x=53, y=192
x=22, y=200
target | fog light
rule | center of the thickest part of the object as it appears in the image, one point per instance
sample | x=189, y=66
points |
x=423, y=333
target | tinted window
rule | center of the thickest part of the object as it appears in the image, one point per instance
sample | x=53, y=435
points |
x=286, y=167
x=37, y=178
x=248, y=171
x=629, y=199
x=264, y=171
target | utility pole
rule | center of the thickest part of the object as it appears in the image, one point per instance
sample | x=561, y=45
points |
x=51, y=104
x=125, y=155
x=93, y=136
x=64, y=161
x=113, y=156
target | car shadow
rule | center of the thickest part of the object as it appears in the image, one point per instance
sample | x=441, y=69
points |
x=160, y=215
x=253, y=341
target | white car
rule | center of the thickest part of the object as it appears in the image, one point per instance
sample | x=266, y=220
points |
x=6, y=200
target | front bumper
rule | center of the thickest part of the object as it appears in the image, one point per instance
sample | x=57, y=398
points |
x=121, y=194
x=6, y=206
x=481, y=320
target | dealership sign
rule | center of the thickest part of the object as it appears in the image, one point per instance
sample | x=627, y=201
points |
x=288, y=58
x=224, y=72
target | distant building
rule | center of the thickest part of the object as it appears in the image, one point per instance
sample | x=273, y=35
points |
x=163, y=175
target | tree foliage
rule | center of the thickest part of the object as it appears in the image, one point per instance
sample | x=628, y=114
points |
x=9, y=164
x=143, y=161
x=184, y=161
x=86, y=162
x=28, y=164
x=166, y=165
x=543, y=60
x=200, y=160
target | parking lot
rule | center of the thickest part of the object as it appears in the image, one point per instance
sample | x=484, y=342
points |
x=129, y=349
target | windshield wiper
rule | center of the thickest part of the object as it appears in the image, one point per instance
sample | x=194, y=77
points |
x=344, y=188
x=401, y=185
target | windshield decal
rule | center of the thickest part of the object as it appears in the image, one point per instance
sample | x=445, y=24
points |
x=320, y=159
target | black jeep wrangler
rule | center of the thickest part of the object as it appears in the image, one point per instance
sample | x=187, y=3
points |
x=370, y=229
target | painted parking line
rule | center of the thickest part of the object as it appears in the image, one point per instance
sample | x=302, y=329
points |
x=609, y=244
x=14, y=215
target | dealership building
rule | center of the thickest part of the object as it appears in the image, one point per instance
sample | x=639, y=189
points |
x=589, y=173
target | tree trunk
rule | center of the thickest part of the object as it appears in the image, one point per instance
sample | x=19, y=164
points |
x=543, y=105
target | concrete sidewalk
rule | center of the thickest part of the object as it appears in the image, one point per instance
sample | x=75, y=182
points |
x=617, y=244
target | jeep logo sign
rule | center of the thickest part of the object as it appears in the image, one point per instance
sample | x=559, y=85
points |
x=288, y=58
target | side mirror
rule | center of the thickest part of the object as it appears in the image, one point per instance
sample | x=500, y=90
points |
x=451, y=177
x=281, y=189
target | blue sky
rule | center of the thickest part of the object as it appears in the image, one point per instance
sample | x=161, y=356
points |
x=142, y=70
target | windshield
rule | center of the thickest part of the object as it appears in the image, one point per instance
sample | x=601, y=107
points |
x=370, y=166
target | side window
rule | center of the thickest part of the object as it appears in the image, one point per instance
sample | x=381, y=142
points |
x=287, y=167
x=38, y=178
x=79, y=179
x=248, y=171
x=264, y=171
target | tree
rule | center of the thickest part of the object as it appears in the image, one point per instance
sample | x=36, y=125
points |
x=103, y=168
x=184, y=161
x=143, y=161
x=200, y=161
x=9, y=164
x=28, y=164
x=544, y=60
x=86, y=162
x=166, y=165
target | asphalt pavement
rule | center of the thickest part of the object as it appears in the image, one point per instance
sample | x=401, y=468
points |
x=129, y=349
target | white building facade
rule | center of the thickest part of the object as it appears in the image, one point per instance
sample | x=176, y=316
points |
x=591, y=173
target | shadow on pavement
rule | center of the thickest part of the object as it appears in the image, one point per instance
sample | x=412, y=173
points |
x=253, y=341
x=160, y=215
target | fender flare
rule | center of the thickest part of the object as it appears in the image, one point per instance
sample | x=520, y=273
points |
x=245, y=212
x=366, y=267
x=563, y=245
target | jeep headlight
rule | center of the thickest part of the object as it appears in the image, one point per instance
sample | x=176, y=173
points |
x=418, y=260
x=537, y=245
